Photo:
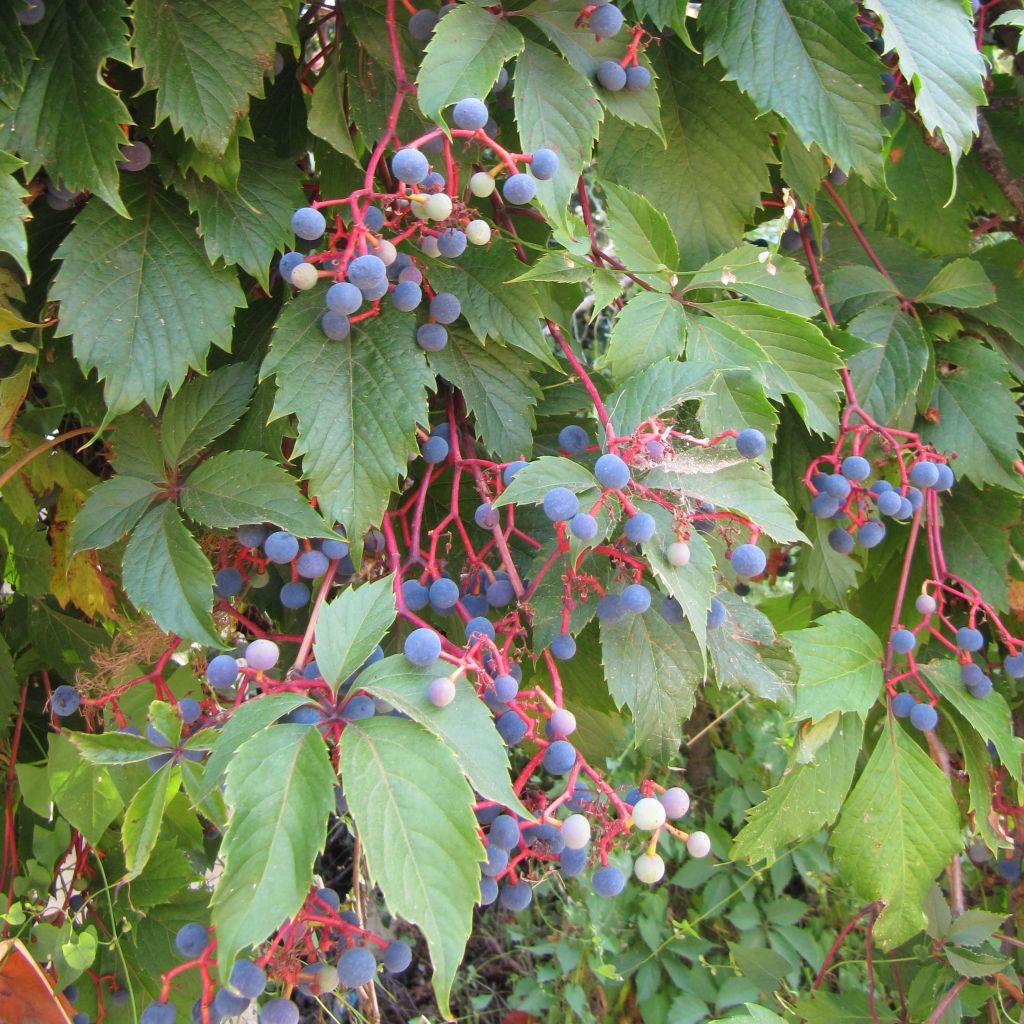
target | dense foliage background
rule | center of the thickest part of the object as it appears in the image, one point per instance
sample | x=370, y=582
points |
x=330, y=536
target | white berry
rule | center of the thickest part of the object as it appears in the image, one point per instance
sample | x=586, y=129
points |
x=676, y=802
x=478, y=232
x=699, y=844
x=649, y=868
x=576, y=832
x=304, y=276
x=481, y=184
x=438, y=207
x=648, y=814
x=386, y=252
x=678, y=554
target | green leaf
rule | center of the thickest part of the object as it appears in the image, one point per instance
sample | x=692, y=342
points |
x=976, y=538
x=113, y=748
x=754, y=1015
x=934, y=40
x=67, y=117
x=494, y=307
x=786, y=289
x=84, y=793
x=245, y=722
x=840, y=660
x=536, y=478
x=761, y=967
x=649, y=328
x=737, y=400
x=249, y=225
x=714, y=167
x=15, y=56
x=747, y=654
x=274, y=834
x=203, y=409
x=204, y=64
x=555, y=107
x=351, y=626
x=465, y=725
x=558, y=267
x=804, y=365
x=167, y=575
x=327, y=118
x=662, y=386
x=886, y=378
x=236, y=488
x=10, y=688
x=144, y=816
x=464, y=57
x=806, y=800
x=498, y=389
x=978, y=764
x=962, y=284
x=413, y=811
x=692, y=585
x=728, y=480
x=138, y=296
x=357, y=403
x=111, y=510
x=899, y=827
x=974, y=926
x=989, y=717
x=853, y=289
x=974, y=963
x=13, y=212
x=829, y=91
x=137, y=450
x=641, y=234
x=655, y=669
x=977, y=413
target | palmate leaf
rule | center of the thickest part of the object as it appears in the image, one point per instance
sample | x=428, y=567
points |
x=898, y=829
x=280, y=789
x=715, y=165
x=139, y=297
x=13, y=213
x=662, y=386
x=111, y=510
x=413, y=810
x=934, y=40
x=650, y=327
x=68, y=119
x=829, y=89
x=204, y=63
x=357, y=403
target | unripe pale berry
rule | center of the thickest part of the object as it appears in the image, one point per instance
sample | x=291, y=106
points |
x=441, y=692
x=478, y=232
x=699, y=844
x=576, y=832
x=648, y=814
x=676, y=802
x=649, y=868
x=304, y=277
x=481, y=184
x=386, y=252
x=678, y=554
x=439, y=206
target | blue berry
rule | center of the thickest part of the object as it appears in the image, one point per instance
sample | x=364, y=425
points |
x=294, y=595
x=445, y=308
x=247, y=979
x=479, y=627
x=434, y=450
x=397, y=957
x=504, y=832
x=946, y=478
x=488, y=891
x=544, y=839
x=838, y=486
x=856, y=467
x=406, y=296
x=511, y=728
x=470, y=114
x=367, y=271
x=638, y=77
x=903, y=704
x=373, y=218
x=572, y=862
x=610, y=608
x=611, y=76
x=924, y=717
x=750, y=443
x=563, y=647
x=583, y=526
x=312, y=564
x=485, y=517
x=717, y=614
x=749, y=560
x=357, y=967
x=422, y=646
x=1013, y=665
x=981, y=689
x=222, y=671
x=497, y=861
x=228, y=582
x=559, y=757
x=288, y=262
x=279, y=1011
x=308, y=223
x=608, y=881
x=510, y=471
x=889, y=503
x=431, y=337
x=879, y=486
x=191, y=940
x=544, y=164
x=824, y=506
x=971, y=674
x=573, y=439
x=410, y=166
x=516, y=896
x=359, y=707
x=444, y=594
x=251, y=536
x=903, y=641
x=519, y=189
x=611, y=472
x=640, y=528
x=335, y=326
x=671, y=611
x=500, y=593
x=906, y=510
x=636, y=598
x=159, y=1013
x=189, y=710
x=968, y=639
x=871, y=534
x=605, y=20
x=281, y=547
x=839, y=540
x=334, y=549
x=505, y=688
x=560, y=504
x=924, y=474
x=451, y=243
x=915, y=497
x=343, y=298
